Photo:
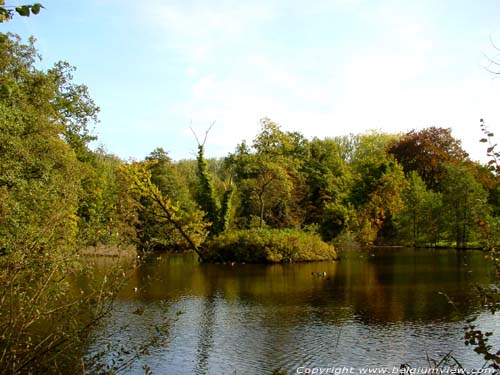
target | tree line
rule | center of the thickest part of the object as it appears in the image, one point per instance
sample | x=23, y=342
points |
x=418, y=188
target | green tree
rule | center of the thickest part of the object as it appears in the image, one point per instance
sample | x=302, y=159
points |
x=39, y=169
x=217, y=213
x=40, y=184
x=419, y=222
x=377, y=187
x=188, y=224
x=106, y=213
x=267, y=177
x=327, y=182
x=465, y=205
x=151, y=232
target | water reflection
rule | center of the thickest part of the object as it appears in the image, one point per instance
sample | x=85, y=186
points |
x=382, y=308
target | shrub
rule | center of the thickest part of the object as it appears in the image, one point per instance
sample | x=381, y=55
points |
x=269, y=246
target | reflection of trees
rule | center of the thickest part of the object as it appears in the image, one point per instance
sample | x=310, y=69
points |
x=386, y=285
x=379, y=288
x=206, y=335
x=275, y=314
x=414, y=285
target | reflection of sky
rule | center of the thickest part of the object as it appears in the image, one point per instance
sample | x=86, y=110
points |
x=252, y=319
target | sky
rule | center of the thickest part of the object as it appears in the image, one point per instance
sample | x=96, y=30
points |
x=323, y=68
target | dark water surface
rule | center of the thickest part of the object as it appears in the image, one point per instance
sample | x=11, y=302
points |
x=373, y=309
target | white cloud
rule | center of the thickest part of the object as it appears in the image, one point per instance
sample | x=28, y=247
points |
x=401, y=72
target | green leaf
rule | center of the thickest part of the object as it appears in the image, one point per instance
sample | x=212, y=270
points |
x=35, y=9
x=23, y=11
x=483, y=140
x=491, y=135
x=4, y=14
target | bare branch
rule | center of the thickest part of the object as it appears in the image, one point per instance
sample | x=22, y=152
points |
x=206, y=134
x=493, y=61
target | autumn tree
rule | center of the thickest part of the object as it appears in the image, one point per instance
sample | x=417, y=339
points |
x=428, y=152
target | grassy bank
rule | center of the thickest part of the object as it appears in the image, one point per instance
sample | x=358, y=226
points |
x=269, y=246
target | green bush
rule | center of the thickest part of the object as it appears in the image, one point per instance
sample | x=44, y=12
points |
x=269, y=246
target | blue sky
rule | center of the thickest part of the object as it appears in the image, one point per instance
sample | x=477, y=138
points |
x=324, y=68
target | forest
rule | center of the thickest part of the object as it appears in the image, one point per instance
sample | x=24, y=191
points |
x=418, y=188
x=282, y=197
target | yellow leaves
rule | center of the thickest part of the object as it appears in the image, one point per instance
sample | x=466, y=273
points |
x=189, y=224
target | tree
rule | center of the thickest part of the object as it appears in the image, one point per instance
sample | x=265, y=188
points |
x=428, y=152
x=216, y=213
x=40, y=182
x=152, y=233
x=419, y=221
x=377, y=187
x=267, y=177
x=190, y=225
x=327, y=182
x=465, y=204
x=40, y=175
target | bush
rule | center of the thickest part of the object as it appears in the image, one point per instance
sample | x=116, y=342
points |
x=269, y=246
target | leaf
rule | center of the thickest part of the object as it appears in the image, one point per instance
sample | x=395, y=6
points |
x=483, y=140
x=23, y=11
x=35, y=9
x=491, y=135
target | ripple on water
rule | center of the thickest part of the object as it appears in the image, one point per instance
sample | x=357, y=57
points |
x=254, y=319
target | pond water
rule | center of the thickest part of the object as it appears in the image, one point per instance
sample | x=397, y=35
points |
x=376, y=309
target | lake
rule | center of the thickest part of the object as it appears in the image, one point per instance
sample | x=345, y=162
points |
x=373, y=309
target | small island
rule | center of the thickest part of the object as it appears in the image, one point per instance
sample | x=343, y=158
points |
x=268, y=246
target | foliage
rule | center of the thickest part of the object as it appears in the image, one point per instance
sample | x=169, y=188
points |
x=40, y=173
x=428, y=152
x=152, y=233
x=7, y=12
x=378, y=186
x=491, y=151
x=43, y=322
x=216, y=213
x=106, y=212
x=328, y=180
x=206, y=195
x=190, y=225
x=419, y=222
x=267, y=177
x=464, y=205
x=269, y=246
x=474, y=336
